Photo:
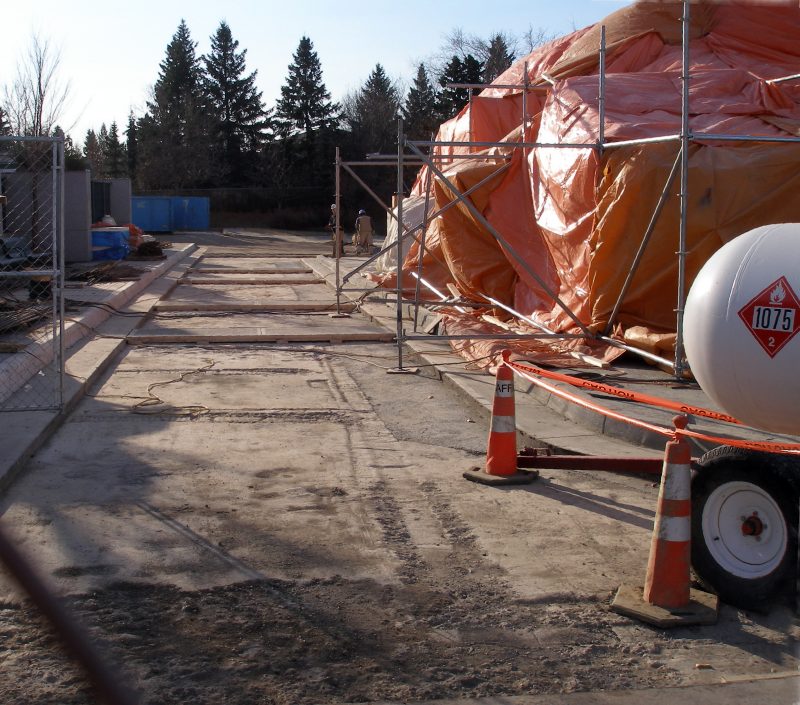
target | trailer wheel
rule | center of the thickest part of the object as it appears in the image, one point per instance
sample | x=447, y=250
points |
x=744, y=525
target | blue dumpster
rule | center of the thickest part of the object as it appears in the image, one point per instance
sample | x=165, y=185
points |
x=190, y=213
x=153, y=214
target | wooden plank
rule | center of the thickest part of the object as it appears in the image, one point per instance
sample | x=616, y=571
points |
x=241, y=281
x=167, y=306
x=256, y=335
x=250, y=270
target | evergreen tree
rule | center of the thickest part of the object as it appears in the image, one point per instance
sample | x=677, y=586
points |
x=114, y=156
x=102, y=141
x=495, y=53
x=498, y=58
x=452, y=100
x=238, y=111
x=176, y=154
x=93, y=152
x=132, y=146
x=179, y=77
x=473, y=70
x=372, y=113
x=419, y=109
x=305, y=122
x=73, y=157
x=148, y=153
x=305, y=104
x=102, y=137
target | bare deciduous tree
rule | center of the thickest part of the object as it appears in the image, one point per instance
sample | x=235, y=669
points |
x=459, y=43
x=532, y=38
x=35, y=100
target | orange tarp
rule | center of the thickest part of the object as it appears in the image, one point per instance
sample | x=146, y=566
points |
x=575, y=217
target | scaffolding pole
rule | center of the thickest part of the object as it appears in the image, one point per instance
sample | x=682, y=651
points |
x=500, y=143
x=421, y=246
x=707, y=137
x=685, y=136
x=504, y=86
x=793, y=77
x=391, y=159
x=399, y=196
x=59, y=236
x=337, y=235
x=601, y=93
x=525, y=116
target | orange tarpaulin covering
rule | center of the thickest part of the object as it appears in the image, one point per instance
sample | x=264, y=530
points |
x=576, y=216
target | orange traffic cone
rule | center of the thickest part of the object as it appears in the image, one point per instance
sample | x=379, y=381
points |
x=501, y=450
x=667, y=599
x=666, y=582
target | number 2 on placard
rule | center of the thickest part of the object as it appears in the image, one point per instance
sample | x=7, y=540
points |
x=771, y=342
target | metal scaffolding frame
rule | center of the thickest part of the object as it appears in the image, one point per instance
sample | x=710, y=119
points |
x=418, y=157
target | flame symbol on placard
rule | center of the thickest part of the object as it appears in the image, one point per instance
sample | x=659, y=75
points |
x=777, y=295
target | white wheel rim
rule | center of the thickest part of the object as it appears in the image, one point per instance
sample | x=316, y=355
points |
x=732, y=506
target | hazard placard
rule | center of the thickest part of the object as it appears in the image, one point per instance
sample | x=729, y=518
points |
x=772, y=316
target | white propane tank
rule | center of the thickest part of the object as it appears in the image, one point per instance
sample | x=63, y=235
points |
x=740, y=328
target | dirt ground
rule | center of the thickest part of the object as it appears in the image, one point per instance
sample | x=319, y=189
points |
x=289, y=525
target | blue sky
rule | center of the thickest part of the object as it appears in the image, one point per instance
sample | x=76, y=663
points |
x=110, y=57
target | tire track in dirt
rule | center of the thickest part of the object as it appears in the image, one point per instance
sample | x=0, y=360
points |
x=396, y=534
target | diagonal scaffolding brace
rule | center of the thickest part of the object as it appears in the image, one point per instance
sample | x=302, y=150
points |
x=497, y=236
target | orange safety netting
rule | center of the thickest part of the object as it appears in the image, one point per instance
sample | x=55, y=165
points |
x=576, y=216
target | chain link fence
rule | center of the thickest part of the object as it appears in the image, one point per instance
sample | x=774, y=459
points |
x=31, y=273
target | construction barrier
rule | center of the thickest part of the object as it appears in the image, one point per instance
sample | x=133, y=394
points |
x=667, y=580
x=667, y=599
x=535, y=374
x=501, y=449
x=626, y=393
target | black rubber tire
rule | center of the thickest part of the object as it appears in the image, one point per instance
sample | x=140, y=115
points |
x=772, y=474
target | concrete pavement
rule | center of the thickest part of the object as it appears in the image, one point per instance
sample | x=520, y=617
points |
x=542, y=417
x=536, y=418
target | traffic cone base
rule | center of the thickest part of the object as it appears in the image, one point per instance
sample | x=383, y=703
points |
x=701, y=608
x=521, y=477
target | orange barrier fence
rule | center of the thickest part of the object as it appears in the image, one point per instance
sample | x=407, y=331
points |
x=628, y=394
x=535, y=374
